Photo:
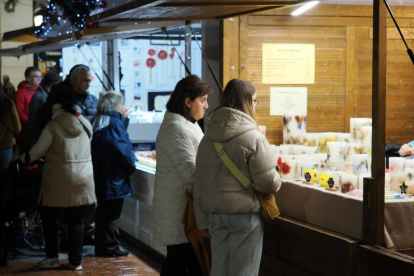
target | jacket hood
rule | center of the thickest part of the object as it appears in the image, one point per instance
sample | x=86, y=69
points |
x=22, y=85
x=226, y=123
x=69, y=123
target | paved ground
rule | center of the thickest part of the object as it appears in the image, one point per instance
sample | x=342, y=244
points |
x=24, y=261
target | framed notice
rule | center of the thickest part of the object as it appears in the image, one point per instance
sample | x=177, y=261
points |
x=288, y=99
x=288, y=63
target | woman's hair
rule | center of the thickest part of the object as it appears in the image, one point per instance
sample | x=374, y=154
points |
x=50, y=79
x=238, y=95
x=190, y=87
x=6, y=103
x=108, y=102
x=67, y=99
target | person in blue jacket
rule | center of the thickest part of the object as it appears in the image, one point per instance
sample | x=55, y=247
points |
x=113, y=162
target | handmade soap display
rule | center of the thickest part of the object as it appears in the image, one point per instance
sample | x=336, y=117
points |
x=336, y=154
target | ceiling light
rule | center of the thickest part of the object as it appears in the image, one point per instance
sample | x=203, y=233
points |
x=304, y=8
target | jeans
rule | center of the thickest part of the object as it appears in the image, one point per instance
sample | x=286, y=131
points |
x=181, y=261
x=5, y=158
x=236, y=244
x=73, y=218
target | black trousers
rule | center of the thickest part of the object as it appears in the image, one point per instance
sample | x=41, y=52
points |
x=73, y=218
x=181, y=261
x=106, y=223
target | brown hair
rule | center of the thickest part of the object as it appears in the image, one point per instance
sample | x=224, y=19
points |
x=190, y=87
x=238, y=95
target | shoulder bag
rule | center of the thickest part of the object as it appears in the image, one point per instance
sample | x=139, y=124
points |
x=270, y=211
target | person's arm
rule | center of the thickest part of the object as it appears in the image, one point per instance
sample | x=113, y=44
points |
x=20, y=102
x=406, y=149
x=123, y=145
x=17, y=127
x=40, y=148
x=181, y=152
x=200, y=216
x=262, y=166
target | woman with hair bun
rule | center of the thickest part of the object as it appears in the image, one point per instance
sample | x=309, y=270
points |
x=113, y=162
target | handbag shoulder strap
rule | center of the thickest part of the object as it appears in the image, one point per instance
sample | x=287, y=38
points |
x=237, y=173
x=85, y=129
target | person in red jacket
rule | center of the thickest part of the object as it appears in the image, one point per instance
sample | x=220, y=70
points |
x=22, y=98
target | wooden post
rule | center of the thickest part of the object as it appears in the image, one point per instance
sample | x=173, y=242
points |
x=374, y=198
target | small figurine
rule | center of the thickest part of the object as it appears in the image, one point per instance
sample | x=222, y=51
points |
x=331, y=182
x=308, y=176
x=403, y=188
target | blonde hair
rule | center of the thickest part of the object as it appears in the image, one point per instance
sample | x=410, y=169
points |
x=238, y=95
x=108, y=101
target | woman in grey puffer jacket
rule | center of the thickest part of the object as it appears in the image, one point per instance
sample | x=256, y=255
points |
x=222, y=205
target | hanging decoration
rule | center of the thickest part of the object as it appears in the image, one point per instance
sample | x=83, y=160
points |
x=150, y=64
x=151, y=52
x=70, y=13
x=162, y=55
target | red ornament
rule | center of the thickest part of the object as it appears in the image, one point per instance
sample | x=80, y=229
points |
x=172, y=50
x=89, y=25
x=150, y=62
x=151, y=52
x=171, y=56
x=104, y=4
x=64, y=16
x=162, y=55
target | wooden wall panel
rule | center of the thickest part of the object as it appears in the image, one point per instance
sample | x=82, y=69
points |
x=342, y=35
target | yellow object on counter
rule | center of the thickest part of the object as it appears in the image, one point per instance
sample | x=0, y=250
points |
x=323, y=179
x=313, y=173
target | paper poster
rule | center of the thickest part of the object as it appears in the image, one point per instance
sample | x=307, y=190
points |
x=288, y=99
x=288, y=63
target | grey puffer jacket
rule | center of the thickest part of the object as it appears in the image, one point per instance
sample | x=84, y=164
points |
x=216, y=190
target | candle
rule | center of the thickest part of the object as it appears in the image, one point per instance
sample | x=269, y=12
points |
x=324, y=138
x=324, y=177
x=348, y=182
x=311, y=139
x=409, y=163
x=409, y=176
x=360, y=163
x=289, y=169
x=344, y=137
x=298, y=149
x=286, y=149
x=396, y=164
x=396, y=180
x=356, y=124
x=307, y=165
x=351, y=150
x=336, y=175
x=293, y=137
x=336, y=154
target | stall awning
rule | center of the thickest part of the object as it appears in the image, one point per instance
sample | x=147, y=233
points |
x=22, y=35
x=88, y=36
x=151, y=10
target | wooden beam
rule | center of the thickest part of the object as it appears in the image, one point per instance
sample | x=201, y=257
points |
x=231, y=4
x=243, y=52
x=321, y=21
x=374, y=216
x=230, y=49
x=350, y=76
x=248, y=12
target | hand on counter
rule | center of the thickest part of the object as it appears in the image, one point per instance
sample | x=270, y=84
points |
x=406, y=150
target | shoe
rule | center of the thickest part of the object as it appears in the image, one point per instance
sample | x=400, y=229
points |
x=49, y=263
x=119, y=253
x=74, y=267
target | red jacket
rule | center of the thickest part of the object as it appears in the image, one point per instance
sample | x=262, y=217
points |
x=22, y=99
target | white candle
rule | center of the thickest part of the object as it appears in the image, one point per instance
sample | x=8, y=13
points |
x=298, y=149
x=311, y=139
x=348, y=182
x=409, y=176
x=396, y=164
x=351, y=150
x=289, y=169
x=356, y=124
x=324, y=138
x=396, y=180
x=308, y=165
x=286, y=149
x=409, y=163
x=336, y=154
x=344, y=137
x=360, y=163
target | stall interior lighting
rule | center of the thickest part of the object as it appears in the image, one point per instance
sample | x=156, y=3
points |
x=304, y=8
